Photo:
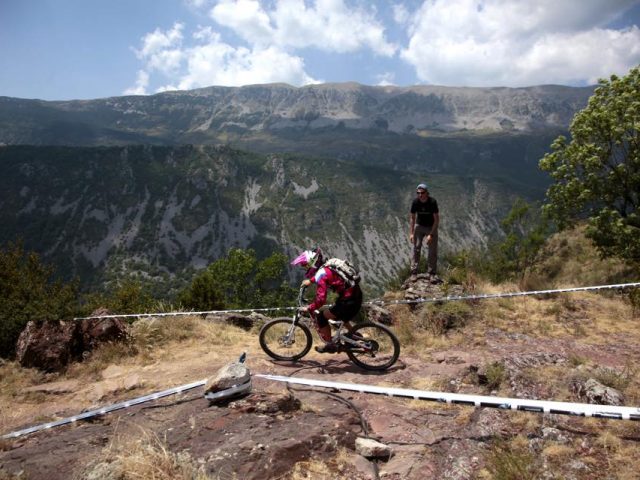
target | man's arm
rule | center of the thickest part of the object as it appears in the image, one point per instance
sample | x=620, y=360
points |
x=434, y=227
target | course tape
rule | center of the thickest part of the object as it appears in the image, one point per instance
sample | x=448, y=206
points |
x=104, y=410
x=539, y=406
x=383, y=302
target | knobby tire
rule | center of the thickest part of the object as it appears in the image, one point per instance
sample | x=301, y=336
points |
x=271, y=337
x=386, y=341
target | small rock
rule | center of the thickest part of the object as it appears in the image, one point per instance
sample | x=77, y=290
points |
x=370, y=448
x=231, y=375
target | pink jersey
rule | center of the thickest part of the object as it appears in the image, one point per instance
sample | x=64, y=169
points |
x=325, y=279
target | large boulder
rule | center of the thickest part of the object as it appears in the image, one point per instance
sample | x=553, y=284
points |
x=48, y=346
x=51, y=345
x=94, y=331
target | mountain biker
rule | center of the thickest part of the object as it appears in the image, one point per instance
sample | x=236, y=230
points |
x=346, y=306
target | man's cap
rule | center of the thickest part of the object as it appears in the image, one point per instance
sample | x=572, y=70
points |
x=422, y=186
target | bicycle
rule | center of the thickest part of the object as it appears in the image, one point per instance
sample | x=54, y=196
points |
x=369, y=345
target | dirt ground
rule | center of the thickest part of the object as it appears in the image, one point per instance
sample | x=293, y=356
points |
x=265, y=434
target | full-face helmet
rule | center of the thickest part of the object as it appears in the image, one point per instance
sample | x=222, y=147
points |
x=309, y=259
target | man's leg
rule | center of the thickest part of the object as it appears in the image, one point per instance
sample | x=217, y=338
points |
x=418, y=236
x=432, y=256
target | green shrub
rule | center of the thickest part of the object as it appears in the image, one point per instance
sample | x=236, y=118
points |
x=28, y=292
x=130, y=296
x=496, y=374
x=240, y=280
x=511, y=462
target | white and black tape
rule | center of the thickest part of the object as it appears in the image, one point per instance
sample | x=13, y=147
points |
x=383, y=302
x=101, y=411
x=539, y=406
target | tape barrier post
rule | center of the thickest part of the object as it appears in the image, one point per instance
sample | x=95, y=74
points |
x=539, y=406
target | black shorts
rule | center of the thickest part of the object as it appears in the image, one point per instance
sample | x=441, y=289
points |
x=347, y=308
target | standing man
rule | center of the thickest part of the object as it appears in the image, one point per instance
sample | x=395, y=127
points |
x=423, y=222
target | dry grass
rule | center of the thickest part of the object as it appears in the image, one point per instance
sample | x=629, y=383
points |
x=336, y=467
x=142, y=457
x=13, y=380
x=161, y=339
x=569, y=255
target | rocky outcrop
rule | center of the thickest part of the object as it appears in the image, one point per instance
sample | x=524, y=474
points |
x=426, y=286
x=51, y=345
x=48, y=346
x=378, y=314
x=594, y=392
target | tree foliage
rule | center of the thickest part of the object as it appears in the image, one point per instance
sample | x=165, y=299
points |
x=597, y=173
x=28, y=292
x=128, y=296
x=240, y=280
x=525, y=233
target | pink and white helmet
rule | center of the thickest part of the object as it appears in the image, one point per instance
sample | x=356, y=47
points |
x=308, y=258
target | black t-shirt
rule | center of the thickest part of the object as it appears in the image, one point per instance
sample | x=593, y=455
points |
x=424, y=211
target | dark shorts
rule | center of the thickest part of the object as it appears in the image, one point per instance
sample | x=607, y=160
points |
x=347, y=308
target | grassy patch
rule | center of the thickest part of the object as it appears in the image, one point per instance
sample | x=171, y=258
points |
x=511, y=460
x=145, y=456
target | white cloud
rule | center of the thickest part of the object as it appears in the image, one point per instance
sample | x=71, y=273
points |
x=246, y=18
x=158, y=40
x=329, y=25
x=221, y=64
x=385, y=79
x=516, y=43
x=211, y=61
x=140, y=87
x=272, y=37
x=401, y=14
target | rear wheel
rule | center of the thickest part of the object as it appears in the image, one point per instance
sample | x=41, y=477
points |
x=377, y=347
x=281, y=343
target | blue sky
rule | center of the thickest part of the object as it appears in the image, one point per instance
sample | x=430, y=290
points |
x=81, y=49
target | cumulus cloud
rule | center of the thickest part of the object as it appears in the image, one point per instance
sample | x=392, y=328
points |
x=513, y=43
x=328, y=25
x=140, y=87
x=385, y=79
x=211, y=61
x=271, y=35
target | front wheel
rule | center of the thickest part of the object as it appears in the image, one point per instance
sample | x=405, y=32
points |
x=282, y=340
x=377, y=347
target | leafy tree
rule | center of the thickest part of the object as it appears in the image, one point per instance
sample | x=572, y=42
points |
x=27, y=292
x=130, y=296
x=240, y=280
x=525, y=233
x=597, y=173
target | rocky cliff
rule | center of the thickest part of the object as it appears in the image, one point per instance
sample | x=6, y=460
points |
x=164, y=210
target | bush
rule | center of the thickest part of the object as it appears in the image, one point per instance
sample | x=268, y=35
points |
x=27, y=292
x=240, y=280
x=130, y=296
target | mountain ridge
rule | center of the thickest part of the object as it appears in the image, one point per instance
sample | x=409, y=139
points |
x=204, y=115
